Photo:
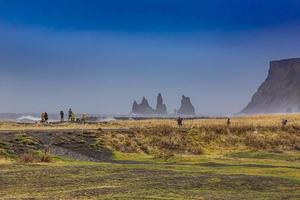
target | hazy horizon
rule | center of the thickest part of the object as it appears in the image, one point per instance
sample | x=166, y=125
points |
x=98, y=57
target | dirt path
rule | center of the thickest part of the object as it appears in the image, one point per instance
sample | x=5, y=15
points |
x=67, y=153
x=73, y=146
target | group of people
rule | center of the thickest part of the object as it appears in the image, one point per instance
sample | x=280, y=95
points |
x=84, y=117
x=71, y=116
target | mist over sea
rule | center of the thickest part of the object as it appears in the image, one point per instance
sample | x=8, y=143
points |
x=35, y=117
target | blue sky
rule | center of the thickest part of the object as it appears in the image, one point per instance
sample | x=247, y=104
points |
x=99, y=56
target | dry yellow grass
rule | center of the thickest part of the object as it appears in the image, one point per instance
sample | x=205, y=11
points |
x=196, y=136
x=241, y=121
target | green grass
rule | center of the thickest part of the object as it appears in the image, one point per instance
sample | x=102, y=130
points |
x=182, y=177
x=24, y=139
x=289, y=156
x=154, y=159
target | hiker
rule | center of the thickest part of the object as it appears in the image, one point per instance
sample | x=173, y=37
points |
x=179, y=121
x=228, y=121
x=284, y=122
x=62, y=115
x=83, y=118
x=42, y=117
x=46, y=117
x=70, y=113
x=73, y=117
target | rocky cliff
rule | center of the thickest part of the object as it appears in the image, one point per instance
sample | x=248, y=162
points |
x=143, y=108
x=161, y=108
x=186, y=107
x=280, y=92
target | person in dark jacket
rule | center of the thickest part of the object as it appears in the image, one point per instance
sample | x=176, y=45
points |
x=62, y=115
x=284, y=122
x=228, y=121
x=46, y=117
x=179, y=121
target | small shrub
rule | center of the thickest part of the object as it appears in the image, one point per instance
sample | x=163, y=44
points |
x=163, y=154
x=24, y=139
x=27, y=158
x=3, y=145
x=35, y=156
x=45, y=158
x=197, y=150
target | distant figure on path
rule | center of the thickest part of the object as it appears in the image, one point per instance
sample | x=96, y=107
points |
x=84, y=118
x=179, y=121
x=73, y=117
x=70, y=114
x=228, y=121
x=42, y=117
x=46, y=117
x=284, y=122
x=62, y=115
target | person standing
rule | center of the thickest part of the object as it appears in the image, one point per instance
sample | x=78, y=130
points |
x=46, y=117
x=83, y=118
x=228, y=121
x=284, y=122
x=42, y=117
x=62, y=115
x=70, y=114
x=179, y=121
x=73, y=117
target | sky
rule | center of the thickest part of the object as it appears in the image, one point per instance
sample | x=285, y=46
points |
x=98, y=56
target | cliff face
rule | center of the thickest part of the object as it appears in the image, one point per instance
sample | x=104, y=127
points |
x=186, y=107
x=161, y=108
x=280, y=92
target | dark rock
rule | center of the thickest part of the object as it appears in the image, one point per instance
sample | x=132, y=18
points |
x=143, y=108
x=186, y=107
x=161, y=108
x=135, y=107
x=280, y=92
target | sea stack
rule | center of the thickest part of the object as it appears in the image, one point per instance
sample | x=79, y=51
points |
x=161, y=108
x=280, y=92
x=186, y=107
x=143, y=108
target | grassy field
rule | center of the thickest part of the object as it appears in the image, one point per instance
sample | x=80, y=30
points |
x=255, y=121
x=254, y=158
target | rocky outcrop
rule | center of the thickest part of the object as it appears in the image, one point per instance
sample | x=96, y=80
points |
x=143, y=108
x=161, y=108
x=280, y=92
x=186, y=107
